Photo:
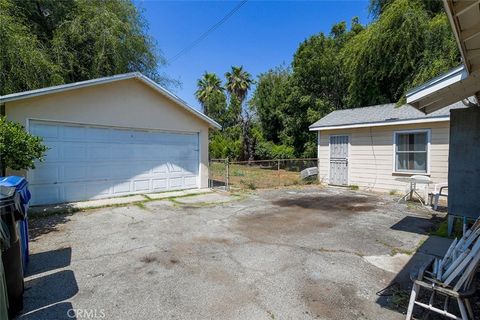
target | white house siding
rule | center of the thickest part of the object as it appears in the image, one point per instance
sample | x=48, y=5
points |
x=371, y=155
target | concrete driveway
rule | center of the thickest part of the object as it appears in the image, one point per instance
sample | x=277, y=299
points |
x=299, y=253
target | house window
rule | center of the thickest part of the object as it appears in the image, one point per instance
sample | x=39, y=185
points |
x=411, y=151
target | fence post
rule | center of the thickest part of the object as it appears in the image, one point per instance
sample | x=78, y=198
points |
x=227, y=174
x=278, y=171
x=210, y=183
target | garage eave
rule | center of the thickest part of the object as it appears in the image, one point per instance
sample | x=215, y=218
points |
x=464, y=17
x=65, y=87
x=88, y=83
x=453, y=86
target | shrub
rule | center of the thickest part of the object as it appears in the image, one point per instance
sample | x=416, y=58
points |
x=250, y=185
x=223, y=147
x=268, y=150
x=18, y=148
x=310, y=150
x=238, y=173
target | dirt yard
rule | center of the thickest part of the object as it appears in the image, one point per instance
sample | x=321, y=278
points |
x=260, y=176
x=295, y=253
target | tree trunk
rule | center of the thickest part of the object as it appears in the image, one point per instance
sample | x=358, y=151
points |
x=247, y=138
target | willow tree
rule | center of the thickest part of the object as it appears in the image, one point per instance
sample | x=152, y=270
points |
x=100, y=38
x=403, y=46
x=47, y=42
x=441, y=52
x=24, y=61
x=377, y=7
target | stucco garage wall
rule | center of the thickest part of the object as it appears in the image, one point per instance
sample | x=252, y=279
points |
x=126, y=103
x=371, y=155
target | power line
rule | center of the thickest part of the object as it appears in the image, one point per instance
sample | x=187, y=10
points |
x=206, y=33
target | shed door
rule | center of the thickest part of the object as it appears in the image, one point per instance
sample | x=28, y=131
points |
x=92, y=162
x=339, y=160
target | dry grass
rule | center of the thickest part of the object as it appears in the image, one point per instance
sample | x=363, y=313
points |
x=258, y=176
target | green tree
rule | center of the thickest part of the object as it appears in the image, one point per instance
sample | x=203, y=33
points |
x=269, y=101
x=18, y=148
x=440, y=52
x=403, y=46
x=24, y=62
x=239, y=83
x=48, y=42
x=208, y=86
x=409, y=42
x=318, y=85
x=100, y=38
x=44, y=16
x=377, y=7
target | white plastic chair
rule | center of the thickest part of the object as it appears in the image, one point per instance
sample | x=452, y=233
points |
x=421, y=182
x=440, y=190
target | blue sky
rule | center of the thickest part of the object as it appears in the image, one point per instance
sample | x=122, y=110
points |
x=259, y=36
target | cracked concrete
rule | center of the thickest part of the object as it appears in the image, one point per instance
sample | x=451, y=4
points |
x=297, y=253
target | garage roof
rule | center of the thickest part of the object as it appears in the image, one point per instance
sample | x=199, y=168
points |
x=380, y=115
x=93, y=82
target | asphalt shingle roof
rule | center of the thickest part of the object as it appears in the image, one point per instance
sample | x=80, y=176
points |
x=382, y=113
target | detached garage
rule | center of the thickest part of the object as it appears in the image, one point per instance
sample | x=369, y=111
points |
x=110, y=137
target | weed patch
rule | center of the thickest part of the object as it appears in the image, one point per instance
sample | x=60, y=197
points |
x=442, y=229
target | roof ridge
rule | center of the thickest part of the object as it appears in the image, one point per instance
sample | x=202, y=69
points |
x=372, y=106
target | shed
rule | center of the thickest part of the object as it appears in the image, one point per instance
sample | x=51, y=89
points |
x=112, y=136
x=371, y=147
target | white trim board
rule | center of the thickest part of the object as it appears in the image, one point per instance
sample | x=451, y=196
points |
x=382, y=124
x=442, y=81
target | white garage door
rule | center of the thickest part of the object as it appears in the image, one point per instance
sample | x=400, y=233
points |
x=91, y=162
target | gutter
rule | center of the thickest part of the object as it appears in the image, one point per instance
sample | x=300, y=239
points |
x=380, y=124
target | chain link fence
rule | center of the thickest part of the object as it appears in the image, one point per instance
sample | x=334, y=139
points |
x=255, y=174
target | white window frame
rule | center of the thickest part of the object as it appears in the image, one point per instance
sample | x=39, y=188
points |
x=411, y=172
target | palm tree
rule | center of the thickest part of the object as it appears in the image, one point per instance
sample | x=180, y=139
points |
x=208, y=84
x=239, y=82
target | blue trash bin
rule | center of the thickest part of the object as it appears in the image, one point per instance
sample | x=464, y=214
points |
x=21, y=186
x=11, y=249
